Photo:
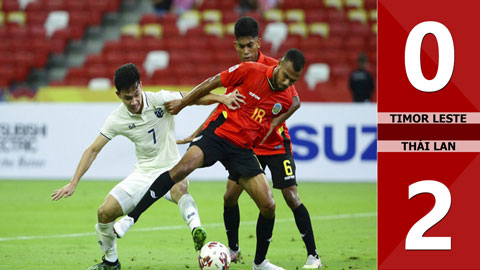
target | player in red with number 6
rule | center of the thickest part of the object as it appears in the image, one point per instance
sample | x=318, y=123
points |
x=229, y=136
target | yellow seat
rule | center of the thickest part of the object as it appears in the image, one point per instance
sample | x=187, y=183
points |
x=319, y=28
x=298, y=29
x=354, y=3
x=373, y=14
x=273, y=15
x=17, y=17
x=152, y=29
x=2, y=18
x=189, y=19
x=338, y=4
x=358, y=15
x=229, y=29
x=215, y=29
x=297, y=15
x=212, y=15
x=131, y=30
x=374, y=28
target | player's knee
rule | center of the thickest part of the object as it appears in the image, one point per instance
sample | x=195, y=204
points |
x=291, y=197
x=229, y=200
x=104, y=215
x=268, y=209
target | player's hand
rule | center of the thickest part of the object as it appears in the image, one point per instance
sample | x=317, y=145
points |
x=275, y=123
x=173, y=106
x=234, y=99
x=65, y=192
x=188, y=139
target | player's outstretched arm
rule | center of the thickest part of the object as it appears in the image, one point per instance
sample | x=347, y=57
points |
x=232, y=100
x=85, y=162
x=282, y=117
x=193, y=96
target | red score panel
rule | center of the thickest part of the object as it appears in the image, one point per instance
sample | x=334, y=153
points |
x=428, y=134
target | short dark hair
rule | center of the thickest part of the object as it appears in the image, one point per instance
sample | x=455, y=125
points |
x=296, y=57
x=246, y=27
x=126, y=77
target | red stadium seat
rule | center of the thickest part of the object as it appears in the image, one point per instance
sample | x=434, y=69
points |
x=149, y=18
x=10, y=5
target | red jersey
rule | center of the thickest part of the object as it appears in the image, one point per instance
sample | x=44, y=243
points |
x=249, y=124
x=279, y=141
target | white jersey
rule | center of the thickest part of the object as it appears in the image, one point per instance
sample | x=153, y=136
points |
x=152, y=131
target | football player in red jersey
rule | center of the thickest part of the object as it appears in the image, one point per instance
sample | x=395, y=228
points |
x=274, y=153
x=229, y=135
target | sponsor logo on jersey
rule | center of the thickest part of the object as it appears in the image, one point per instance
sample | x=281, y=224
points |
x=276, y=108
x=232, y=69
x=132, y=126
x=254, y=96
x=276, y=147
x=159, y=112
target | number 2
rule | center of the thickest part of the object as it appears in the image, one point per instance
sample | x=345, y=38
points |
x=154, y=137
x=415, y=239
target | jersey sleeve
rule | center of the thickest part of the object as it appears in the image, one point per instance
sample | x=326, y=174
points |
x=109, y=129
x=234, y=75
x=159, y=98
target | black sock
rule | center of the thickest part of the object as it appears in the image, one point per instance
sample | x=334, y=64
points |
x=231, y=219
x=304, y=225
x=264, y=236
x=156, y=191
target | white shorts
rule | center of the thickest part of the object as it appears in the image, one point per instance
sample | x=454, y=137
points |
x=131, y=190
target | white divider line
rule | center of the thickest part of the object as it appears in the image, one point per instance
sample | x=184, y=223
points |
x=183, y=226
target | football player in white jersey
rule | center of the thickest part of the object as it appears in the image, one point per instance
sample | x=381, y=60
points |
x=143, y=119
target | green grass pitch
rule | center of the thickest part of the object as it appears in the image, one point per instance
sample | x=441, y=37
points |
x=36, y=233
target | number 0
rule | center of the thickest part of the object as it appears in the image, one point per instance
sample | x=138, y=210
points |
x=446, y=56
x=443, y=200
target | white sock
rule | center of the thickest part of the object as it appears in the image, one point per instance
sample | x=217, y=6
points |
x=189, y=211
x=107, y=240
x=169, y=198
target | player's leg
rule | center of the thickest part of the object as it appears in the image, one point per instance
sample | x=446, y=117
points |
x=284, y=178
x=107, y=213
x=231, y=217
x=189, y=211
x=259, y=190
x=192, y=159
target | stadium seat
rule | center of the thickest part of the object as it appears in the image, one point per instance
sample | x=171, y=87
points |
x=273, y=15
x=212, y=15
x=215, y=29
x=372, y=15
x=99, y=84
x=10, y=5
x=359, y=15
x=154, y=30
x=188, y=20
x=149, y=18
x=131, y=30
x=312, y=4
x=24, y=3
x=155, y=60
x=317, y=73
x=56, y=20
x=338, y=4
x=320, y=28
x=229, y=29
x=315, y=15
x=353, y=4
x=17, y=17
x=294, y=15
x=275, y=33
x=299, y=29
x=36, y=17
x=2, y=18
